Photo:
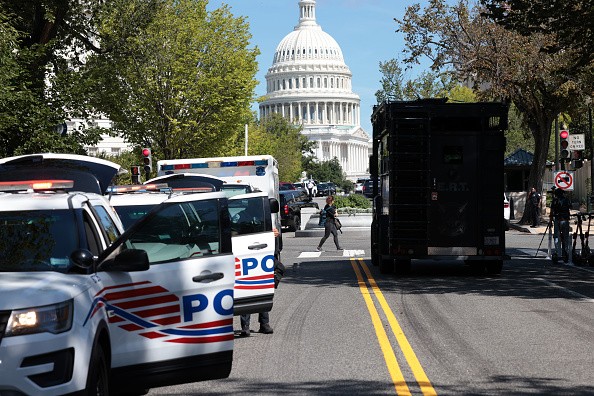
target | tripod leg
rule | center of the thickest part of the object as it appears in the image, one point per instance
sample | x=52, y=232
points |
x=543, y=237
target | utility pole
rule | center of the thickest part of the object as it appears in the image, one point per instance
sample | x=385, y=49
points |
x=591, y=151
x=557, y=143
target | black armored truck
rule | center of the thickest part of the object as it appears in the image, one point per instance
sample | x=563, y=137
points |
x=437, y=175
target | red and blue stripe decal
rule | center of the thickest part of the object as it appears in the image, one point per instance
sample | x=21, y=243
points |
x=154, y=312
x=256, y=282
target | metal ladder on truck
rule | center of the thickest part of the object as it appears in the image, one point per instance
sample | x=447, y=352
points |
x=409, y=185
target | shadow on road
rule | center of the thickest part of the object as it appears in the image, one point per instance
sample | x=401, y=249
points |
x=522, y=279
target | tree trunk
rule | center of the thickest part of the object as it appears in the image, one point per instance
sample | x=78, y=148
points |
x=541, y=131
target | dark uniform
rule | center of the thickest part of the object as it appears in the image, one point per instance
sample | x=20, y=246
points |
x=560, y=216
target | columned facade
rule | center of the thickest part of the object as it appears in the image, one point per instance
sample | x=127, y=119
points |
x=310, y=84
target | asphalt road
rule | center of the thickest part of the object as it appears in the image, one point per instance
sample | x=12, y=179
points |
x=341, y=328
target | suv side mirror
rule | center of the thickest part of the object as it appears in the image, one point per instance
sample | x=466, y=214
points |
x=82, y=258
x=274, y=206
x=129, y=260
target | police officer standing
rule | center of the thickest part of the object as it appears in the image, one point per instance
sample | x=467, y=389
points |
x=560, y=218
x=534, y=198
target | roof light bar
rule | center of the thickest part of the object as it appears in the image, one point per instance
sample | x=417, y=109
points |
x=138, y=187
x=213, y=164
x=36, y=185
x=193, y=189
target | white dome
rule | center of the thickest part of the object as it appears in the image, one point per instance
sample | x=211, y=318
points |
x=310, y=84
x=308, y=43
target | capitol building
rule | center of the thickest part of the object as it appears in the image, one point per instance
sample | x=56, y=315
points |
x=310, y=84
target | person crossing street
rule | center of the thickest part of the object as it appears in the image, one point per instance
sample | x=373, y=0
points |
x=329, y=225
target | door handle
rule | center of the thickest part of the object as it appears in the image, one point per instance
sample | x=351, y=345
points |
x=208, y=277
x=258, y=246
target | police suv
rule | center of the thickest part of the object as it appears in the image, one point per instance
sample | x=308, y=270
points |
x=253, y=240
x=87, y=308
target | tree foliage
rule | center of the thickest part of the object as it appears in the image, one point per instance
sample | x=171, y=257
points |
x=51, y=39
x=504, y=65
x=183, y=84
x=571, y=22
x=326, y=171
x=429, y=84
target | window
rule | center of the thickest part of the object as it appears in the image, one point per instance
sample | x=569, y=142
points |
x=37, y=240
x=180, y=230
x=105, y=219
x=247, y=215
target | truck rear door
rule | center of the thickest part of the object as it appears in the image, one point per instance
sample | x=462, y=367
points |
x=454, y=195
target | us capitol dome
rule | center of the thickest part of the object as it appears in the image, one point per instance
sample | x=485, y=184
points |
x=310, y=84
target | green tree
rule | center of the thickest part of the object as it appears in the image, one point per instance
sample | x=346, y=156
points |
x=54, y=38
x=505, y=65
x=183, y=84
x=325, y=171
x=569, y=21
x=392, y=82
x=428, y=84
x=288, y=145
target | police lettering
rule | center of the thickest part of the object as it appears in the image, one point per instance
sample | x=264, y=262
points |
x=199, y=302
x=251, y=263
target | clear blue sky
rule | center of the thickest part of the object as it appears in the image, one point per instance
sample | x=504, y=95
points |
x=364, y=29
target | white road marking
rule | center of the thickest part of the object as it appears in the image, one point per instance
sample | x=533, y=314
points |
x=309, y=254
x=353, y=253
x=571, y=292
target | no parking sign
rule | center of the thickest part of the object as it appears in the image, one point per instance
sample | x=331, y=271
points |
x=564, y=180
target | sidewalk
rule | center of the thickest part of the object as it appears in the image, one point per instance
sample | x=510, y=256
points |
x=540, y=229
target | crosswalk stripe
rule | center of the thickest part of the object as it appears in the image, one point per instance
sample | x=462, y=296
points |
x=310, y=254
x=345, y=253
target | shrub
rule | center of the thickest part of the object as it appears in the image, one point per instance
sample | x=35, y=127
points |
x=352, y=201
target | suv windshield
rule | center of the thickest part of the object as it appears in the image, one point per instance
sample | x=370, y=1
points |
x=40, y=240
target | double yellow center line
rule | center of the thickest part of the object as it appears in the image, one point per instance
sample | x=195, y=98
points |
x=389, y=355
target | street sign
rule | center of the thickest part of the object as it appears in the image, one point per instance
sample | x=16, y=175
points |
x=563, y=180
x=577, y=142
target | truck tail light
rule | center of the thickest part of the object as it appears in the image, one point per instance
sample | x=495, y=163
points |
x=286, y=209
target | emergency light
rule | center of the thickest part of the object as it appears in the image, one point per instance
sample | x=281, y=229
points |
x=213, y=164
x=36, y=185
x=137, y=187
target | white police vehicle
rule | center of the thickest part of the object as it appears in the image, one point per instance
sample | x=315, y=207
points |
x=86, y=309
x=253, y=241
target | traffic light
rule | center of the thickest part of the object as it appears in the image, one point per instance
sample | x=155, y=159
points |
x=147, y=160
x=578, y=161
x=564, y=145
x=135, y=174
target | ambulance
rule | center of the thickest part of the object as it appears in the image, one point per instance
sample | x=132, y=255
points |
x=86, y=308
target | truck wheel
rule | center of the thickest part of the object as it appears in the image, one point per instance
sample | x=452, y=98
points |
x=386, y=265
x=402, y=266
x=374, y=258
x=98, y=377
x=494, y=267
